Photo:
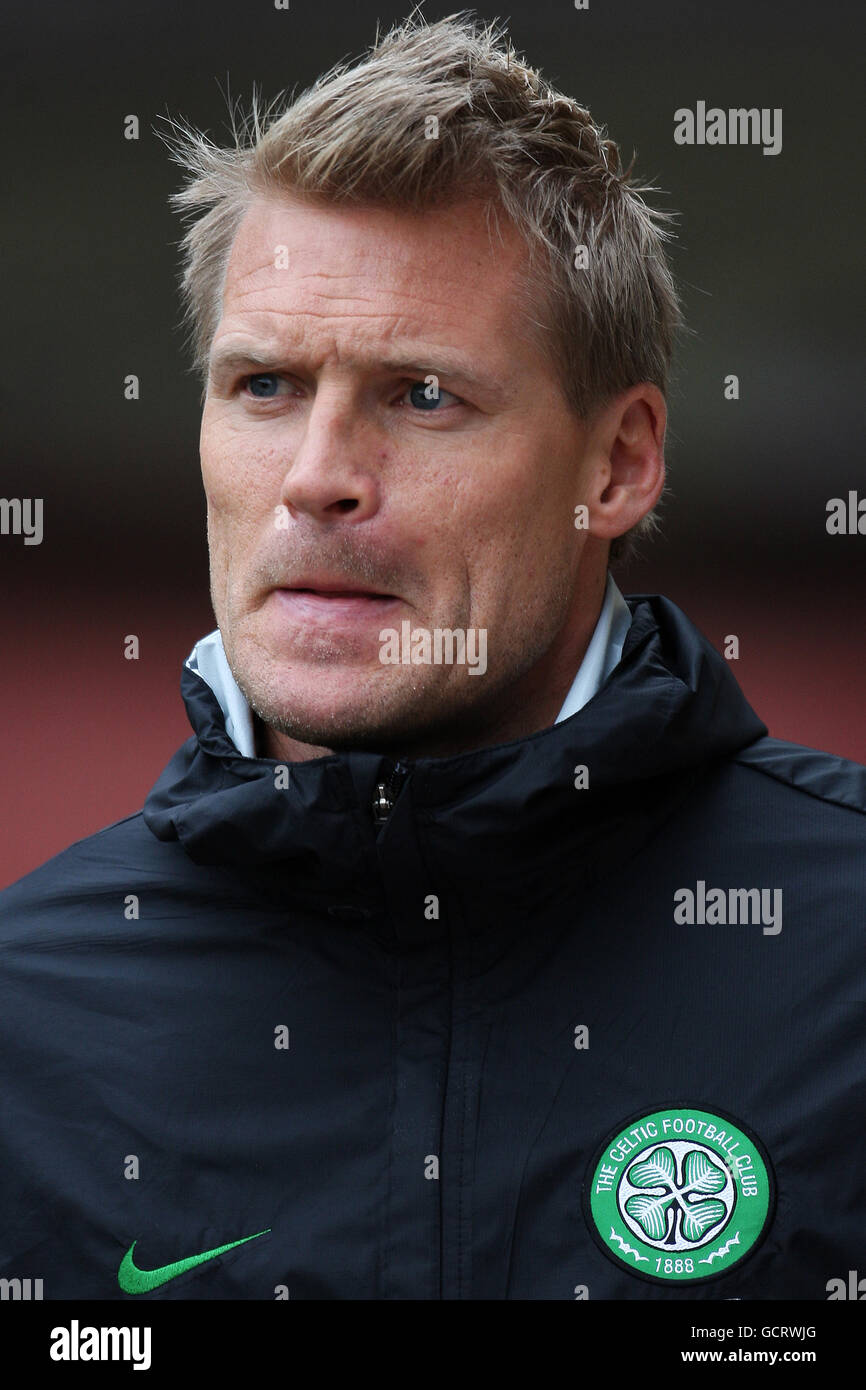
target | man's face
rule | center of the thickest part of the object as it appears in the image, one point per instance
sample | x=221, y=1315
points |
x=327, y=466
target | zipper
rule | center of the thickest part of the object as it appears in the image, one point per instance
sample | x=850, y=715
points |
x=387, y=792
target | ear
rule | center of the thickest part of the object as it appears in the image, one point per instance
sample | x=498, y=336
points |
x=627, y=463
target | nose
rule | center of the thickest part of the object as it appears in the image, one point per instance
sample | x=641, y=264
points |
x=331, y=473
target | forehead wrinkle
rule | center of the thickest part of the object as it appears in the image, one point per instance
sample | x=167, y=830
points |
x=401, y=280
x=394, y=336
x=396, y=261
x=420, y=303
x=421, y=333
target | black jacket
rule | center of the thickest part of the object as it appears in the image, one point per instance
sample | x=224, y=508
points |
x=479, y=1027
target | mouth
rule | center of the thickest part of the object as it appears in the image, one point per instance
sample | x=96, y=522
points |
x=330, y=608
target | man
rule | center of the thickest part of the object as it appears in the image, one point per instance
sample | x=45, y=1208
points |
x=480, y=943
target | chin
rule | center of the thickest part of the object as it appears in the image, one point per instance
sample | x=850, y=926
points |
x=316, y=709
x=351, y=719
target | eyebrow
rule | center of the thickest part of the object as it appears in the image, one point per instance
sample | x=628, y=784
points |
x=237, y=357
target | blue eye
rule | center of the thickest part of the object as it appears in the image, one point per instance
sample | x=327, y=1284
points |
x=427, y=396
x=266, y=377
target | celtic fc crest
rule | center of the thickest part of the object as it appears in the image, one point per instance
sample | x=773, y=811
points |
x=679, y=1194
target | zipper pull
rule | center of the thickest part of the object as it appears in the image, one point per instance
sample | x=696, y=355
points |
x=382, y=805
x=386, y=794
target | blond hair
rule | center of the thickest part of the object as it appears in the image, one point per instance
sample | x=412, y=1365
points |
x=362, y=135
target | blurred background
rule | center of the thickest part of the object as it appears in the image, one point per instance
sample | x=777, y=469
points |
x=769, y=259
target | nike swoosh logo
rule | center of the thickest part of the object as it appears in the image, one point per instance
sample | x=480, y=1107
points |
x=134, y=1280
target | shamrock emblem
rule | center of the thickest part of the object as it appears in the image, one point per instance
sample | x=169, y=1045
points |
x=671, y=1212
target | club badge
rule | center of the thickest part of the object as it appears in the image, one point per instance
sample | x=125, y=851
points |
x=680, y=1194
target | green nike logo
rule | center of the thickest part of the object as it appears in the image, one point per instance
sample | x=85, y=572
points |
x=134, y=1280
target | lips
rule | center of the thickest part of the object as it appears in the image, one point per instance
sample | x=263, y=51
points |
x=332, y=607
x=331, y=586
x=336, y=593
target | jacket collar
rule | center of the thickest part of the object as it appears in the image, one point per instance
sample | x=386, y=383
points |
x=668, y=709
